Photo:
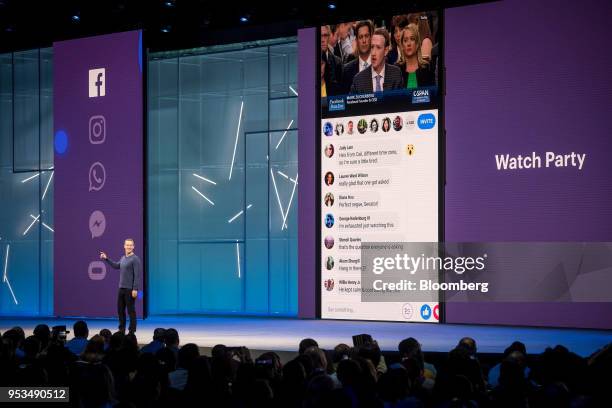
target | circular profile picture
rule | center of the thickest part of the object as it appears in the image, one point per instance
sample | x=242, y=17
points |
x=397, y=123
x=329, y=242
x=386, y=125
x=329, y=263
x=349, y=127
x=374, y=126
x=362, y=126
x=329, y=150
x=339, y=129
x=328, y=129
x=329, y=220
x=329, y=200
x=329, y=178
x=329, y=284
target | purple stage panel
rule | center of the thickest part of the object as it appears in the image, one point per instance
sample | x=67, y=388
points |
x=307, y=158
x=98, y=200
x=521, y=80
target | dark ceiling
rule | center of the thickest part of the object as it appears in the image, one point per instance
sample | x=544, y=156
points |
x=172, y=24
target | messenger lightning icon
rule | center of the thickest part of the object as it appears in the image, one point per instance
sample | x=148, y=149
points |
x=97, y=82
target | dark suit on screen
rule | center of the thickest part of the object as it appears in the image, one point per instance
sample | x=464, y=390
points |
x=362, y=83
x=334, y=74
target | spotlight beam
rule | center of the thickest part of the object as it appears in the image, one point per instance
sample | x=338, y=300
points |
x=280, y=206
x=284, y=134
x=202, y=195
x=205, y=179
x=33, y=222
x=238, y=214
x=47, y=187
x=30, y=178
x=238, y=258
x=5, y=277
x=236, y=142
x=289, y=205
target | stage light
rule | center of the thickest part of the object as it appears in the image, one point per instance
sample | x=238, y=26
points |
x=236, y=142
x=47, y=187
x=166, y=29
x=238, y=258
x=289, y=206
x=60, y=142
x=280, y=205
x=284, y=134
x=33, y=222
x=48, y=227
x=170, y=3
x=238, y=215
x=5, y=275
x=30, y=178
x=202, y=195
x=76, y=18
x=244, y=19
x=204, y=178
x=331, y=6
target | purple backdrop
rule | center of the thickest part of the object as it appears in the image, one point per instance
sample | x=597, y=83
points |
x=308, y=152
x=522, y=77
x=98, y=200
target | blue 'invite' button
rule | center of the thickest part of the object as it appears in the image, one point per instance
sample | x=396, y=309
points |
x=426, y=121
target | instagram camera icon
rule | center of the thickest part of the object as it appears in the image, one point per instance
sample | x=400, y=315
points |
x=97, y=129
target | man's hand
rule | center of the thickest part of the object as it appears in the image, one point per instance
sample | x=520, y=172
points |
x=103, y=255
x=134, y=294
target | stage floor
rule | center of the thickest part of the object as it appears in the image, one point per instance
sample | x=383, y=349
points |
x=283, y=334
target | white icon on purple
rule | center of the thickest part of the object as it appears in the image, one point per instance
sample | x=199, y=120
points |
x=96, y=270
x=97, y=224
x=97, y=82
x=97, y=129
x=97, y=176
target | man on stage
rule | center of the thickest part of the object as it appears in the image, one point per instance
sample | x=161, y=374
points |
x=130, y=282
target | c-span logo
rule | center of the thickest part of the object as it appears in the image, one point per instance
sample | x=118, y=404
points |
x=420, y=96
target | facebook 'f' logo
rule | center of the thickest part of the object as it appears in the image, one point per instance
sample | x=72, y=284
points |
x=97, y=82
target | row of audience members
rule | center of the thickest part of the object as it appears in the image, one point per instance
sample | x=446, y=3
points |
x=109, y=370
x=375, y=61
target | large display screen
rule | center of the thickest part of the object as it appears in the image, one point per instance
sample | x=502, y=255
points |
x=379, y=154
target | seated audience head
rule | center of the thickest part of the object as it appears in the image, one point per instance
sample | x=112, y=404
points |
x=106, y=335
x=469, y=344
x=307, y=343
x=159, y=334
x=94, y=350
x=80, y=329
x=171, y=338
x=32, y=347
x=341, y=352
x=317, y=356
x=43, y=333
x=187, y=355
